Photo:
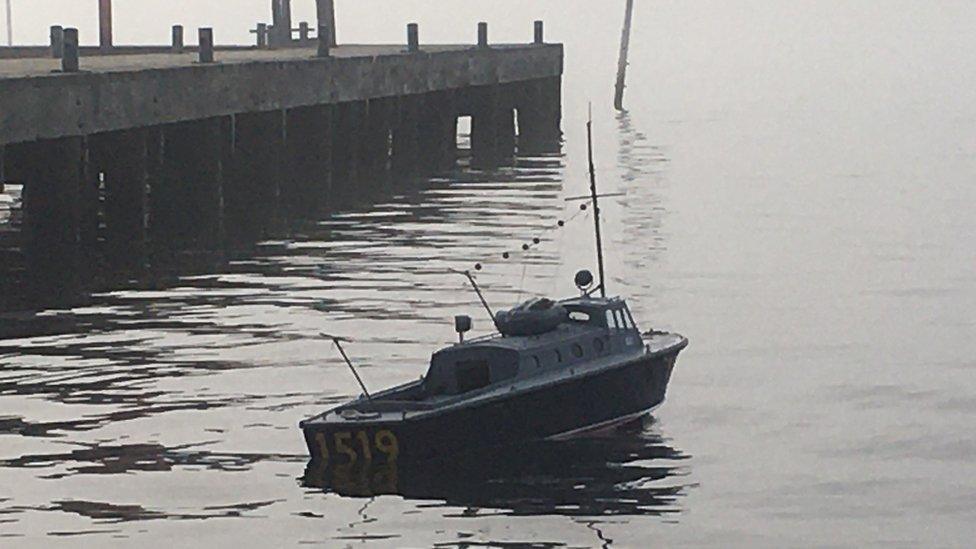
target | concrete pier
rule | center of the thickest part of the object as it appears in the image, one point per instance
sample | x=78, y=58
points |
x=134, y=159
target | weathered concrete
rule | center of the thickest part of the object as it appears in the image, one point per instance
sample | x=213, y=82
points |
x=138, y=161
x=123, y=92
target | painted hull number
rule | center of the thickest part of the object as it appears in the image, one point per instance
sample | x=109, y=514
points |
x=349, y=447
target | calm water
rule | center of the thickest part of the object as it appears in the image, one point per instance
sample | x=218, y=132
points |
x=799, y=182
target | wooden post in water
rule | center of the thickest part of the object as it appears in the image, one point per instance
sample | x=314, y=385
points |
x=618, y=100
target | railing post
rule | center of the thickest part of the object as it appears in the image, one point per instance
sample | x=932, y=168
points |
x=325, y=41
x=57, y=42
x=539, y=33
x=261, y=32
x=69, y=61
x=413, y=38
x=178, y=38
x=482, y=35
x=206, y=45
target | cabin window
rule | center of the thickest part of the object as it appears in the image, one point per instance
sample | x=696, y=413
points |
x=579, y=316
x=620, y=319
x=611, y=321
x=577, y=350
x=472, y=374
x=559, y=356
x=598, y=345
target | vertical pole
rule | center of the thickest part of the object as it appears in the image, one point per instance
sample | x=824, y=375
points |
x=262, y=35
x=539, y=33
x=326, y=17
x=618, y=100
x=286, y=21
x=275, y=23
x=105, y=24
x=69, y=63
x=413, y=38
x=178, y=38
x=325, y=39
x=57, y=42
x=482, y=35
x=206, y=45
x=303, y=33
x=10, y=25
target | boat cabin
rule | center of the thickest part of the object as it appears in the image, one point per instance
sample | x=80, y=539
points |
x=591, y=329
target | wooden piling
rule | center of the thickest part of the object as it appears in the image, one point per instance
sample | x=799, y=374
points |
x=57, y=42
x=482, y=35
x=325, y=41
x=178, y=38
x=69, y=61
x=105, y=24
x=413, y=38
x=325, y=11
x=206, y=45
x=618, y=100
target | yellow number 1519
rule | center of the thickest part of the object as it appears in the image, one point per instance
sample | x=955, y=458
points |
x=356, y=445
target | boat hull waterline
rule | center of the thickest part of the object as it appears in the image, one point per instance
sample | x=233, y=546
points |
x=575, y=406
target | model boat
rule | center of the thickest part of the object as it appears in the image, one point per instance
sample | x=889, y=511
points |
x=552, y=370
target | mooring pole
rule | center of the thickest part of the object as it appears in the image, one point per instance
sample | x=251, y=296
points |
x=10, y=25
x=618, y=101
x=105, y=24
x=325, y=10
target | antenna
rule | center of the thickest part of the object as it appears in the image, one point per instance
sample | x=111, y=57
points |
x=338, y=343
x=481, y=296
x=10, y=25
x=596, y=205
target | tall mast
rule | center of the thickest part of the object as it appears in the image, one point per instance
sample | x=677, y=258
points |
x=10, y=25
x=596, y=207
x=618, y=100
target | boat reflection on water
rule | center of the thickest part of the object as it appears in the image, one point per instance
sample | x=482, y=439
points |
x=630, y=471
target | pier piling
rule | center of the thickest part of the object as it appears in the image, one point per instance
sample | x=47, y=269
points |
x=206, y=45
x=482, y=35
x=178, y=39
x=142, y=168
x=57, y=42
x=69, y=61
x=413, y=38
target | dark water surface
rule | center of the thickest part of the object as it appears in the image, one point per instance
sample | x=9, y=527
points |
x=799, y=182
